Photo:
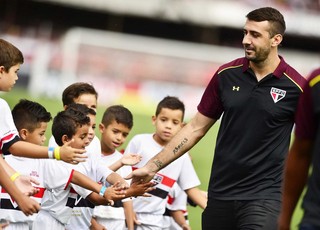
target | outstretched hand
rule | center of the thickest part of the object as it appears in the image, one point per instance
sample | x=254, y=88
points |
x=24, y=183
x=131, y=159
x=115, y=192
x=72, y=155
x=140, y=175
x=141, y=188
x=27, y=205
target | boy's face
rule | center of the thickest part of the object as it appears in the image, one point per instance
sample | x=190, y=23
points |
x=80, y=138
x=113, y=136
x=167, y=124
x=8, y=79
x=37, y=136
x=89, y=100
x=91, y=132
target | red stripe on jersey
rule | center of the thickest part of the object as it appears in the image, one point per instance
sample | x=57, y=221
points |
x=70, y=178
x=6, y=139
x=40, y=193
x=170, y=199
x=167, y=181
x=37, y=195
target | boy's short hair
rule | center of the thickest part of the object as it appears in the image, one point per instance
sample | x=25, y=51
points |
x=29, y=114
x=9, y=55
x=68, y=121
x=75, y=90
x=117, y=113
x=170, y=102
x=83, y=108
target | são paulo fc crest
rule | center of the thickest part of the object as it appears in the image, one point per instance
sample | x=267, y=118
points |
x=277, y=94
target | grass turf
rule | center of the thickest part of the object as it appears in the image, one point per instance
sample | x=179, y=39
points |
x=202, y=153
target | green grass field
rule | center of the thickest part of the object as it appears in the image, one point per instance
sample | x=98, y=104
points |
x=202, y=153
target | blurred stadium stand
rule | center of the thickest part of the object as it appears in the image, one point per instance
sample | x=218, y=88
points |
x=143, y=50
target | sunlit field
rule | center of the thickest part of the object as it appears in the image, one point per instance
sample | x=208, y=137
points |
x=202, y=153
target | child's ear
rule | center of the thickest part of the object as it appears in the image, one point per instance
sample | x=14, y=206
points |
x=101, y=127
x=154, y=118
x=2, y=69
x=65, y=139
x=23, y=134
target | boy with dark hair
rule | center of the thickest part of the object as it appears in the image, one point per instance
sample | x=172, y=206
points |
x=31, y=121
x=117, y=121
x=56, y=208
x=10, y=60
x=168, y=120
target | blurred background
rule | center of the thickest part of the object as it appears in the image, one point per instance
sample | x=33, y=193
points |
x=142, y=50
x=135, y=52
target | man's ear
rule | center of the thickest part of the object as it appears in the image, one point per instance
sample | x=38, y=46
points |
x=277, y=39
x=65, y=139
x=23, y=133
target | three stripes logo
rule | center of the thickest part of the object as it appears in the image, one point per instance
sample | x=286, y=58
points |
x=277, y=94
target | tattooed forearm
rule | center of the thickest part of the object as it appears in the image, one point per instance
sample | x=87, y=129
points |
x=158, y=163
x=177, y=148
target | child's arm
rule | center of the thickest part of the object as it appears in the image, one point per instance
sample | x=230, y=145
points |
x=66, y=153
x=24, y=183
x=27, y=205
x=95, y=225
x=116, y=178
x=140, y=189
x=179, y=218
x=111, y=193
x=129, y=214
x=197, y=196
x=128, y=159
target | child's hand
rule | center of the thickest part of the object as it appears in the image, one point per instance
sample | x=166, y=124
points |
x=72, y=155
x=114, y=192
x=24, y=183
x=131, y=159
x=141, y=189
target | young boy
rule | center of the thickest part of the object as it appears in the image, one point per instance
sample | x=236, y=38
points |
x=30, y=119
x=10, y=60
x=83, y=93
x=117, y=121
x=56, y=207
x=168, y=120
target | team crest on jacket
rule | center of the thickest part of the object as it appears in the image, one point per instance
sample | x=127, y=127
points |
x=277, y=94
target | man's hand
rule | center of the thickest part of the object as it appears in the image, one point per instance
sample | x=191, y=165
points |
x=72, y=155
x=141, y=175
x=24, y=183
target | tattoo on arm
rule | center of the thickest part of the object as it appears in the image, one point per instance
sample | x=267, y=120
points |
x=158, y=163
x=179, y=146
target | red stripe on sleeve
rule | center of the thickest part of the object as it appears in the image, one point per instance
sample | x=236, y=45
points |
x=70, y=178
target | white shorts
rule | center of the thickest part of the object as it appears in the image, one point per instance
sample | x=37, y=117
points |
x=45, y=221
x=112, y=224
x=18, y=226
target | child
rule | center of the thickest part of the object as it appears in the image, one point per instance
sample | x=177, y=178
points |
x=30, y=119
x=168, y=120
x=115, y=126
x=83, y=93
x=56, y=207
x=10, y=60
